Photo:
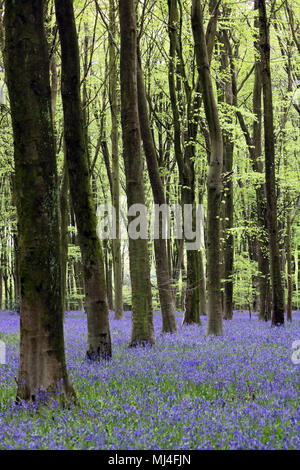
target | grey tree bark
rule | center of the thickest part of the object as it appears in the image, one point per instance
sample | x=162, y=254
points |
x=214, y=180
x=142, y=314
x=99, y=341
x=114, y=109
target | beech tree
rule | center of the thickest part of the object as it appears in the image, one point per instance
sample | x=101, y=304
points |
x=184, y=158
x=166, y=296
x=142, y=315
x=277, y=289
x=214, y=178
x=42, y=356
x=99, y=341
x=254, y=144
x=113, y=98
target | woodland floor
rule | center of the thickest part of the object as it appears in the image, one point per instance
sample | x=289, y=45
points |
x=239, y=391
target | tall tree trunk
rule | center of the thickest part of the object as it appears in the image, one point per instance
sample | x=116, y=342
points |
x=64, y=184
x=64, y=212
x=256, y=152
x=166, y=297
x=202, y=286
x=114, y=109
x=202, y=270
x=108, y=274
x=286, y=55
x=289, y=264
x=277, y=288
x=228, y=144
x=16, y=270
x=42, y=355
x=142, y=314
x=214, y=180
x=1, y=286
x=99, y=341
x=185, y=159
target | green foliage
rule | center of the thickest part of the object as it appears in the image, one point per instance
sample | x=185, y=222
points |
x=237, y=19
x=244, y=290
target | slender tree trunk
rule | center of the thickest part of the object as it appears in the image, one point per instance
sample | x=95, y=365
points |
x=16, y=273
x=289, y=265
x=1, y=286
x=286, y=55
x=64, y=212
x=185, y=159
x=228, y=246
x=114, y=109
x=228, y=224
x=142, y=314
x=263, y=256
x=42, y=356
x=16, y=276
x=256, y=153
x=277, y=288
x=167, y=301
x=202, y=270
x=214, y=181
x=99, y=341
x=3, y=269
x=108, y=274
x=202, y=284
x=229, y=240
x=64, y=184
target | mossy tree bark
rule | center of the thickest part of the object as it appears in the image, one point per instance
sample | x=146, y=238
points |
x=214, y=180
x=42, y=355
x=99, y=341
x=142, y=314
x=277, y=287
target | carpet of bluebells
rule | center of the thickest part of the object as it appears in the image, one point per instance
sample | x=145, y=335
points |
x=239, y=391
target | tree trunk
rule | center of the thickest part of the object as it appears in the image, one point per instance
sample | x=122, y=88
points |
x=64, y=213
x=108, y=274
x=229, y=240
x=42, y=356
x=277, y=288
x=289, y=264
x=256, y=153
x=214, y=180
x=166, y=297
x=99, y=341
x=1, y=289
x=185, y=159
x=142, y=314
x=227, y=96
x=113, y=98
